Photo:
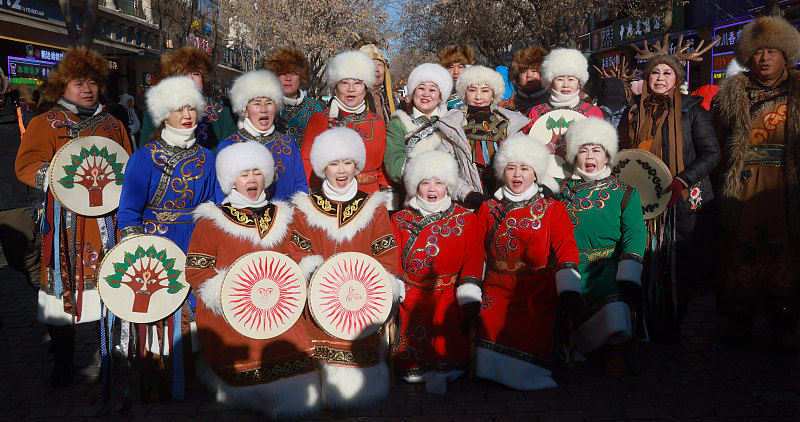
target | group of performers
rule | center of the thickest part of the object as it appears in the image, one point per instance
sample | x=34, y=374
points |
x=495, y=266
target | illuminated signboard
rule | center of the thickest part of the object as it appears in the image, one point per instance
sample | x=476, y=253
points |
x=28, y=71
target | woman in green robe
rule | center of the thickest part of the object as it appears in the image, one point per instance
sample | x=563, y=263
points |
x=610, y=233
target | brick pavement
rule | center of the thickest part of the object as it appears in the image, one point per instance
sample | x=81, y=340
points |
x=696, y=380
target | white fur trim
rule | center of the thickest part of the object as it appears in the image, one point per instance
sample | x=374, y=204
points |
x=309, y=264
x=515, y=373
x=468, y=293
x=435, y=382
x=521, y=148
x=294, y=397
x=564, y=62
x=594, y=131
x=351, y=65
x=151, y=339
x=630, y=270
x=211, y=290
x=331, y=226
x=610, y=325
x=567, y=279
x=431, y=164
x=255, y=84
x=173, y=94
x=398, y=289
x=480, y=74
x=348, y=388
x=241, y=156
x=195, y=336
x=734, y=68
x=51, y=309
x=429, y=143
x=339, y=143
x=280, y=228
x=430, y=72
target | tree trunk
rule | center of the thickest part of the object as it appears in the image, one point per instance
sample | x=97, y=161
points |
x=85, y=36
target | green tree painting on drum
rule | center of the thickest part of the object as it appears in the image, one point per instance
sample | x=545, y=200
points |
x=93, y=169
x=146, y=271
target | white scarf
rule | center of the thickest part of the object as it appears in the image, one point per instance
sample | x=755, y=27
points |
x=240, y=201
x=294, y=102
x=416, y=113
x=597, y=175
x=345, y=194
x=73, y=108
x=253, y=130
x=427, y=208
x=559, y=100
x=506, y=193
x=337, y=104
x=181, y=138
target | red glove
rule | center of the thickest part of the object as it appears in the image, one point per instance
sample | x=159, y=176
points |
x=676, y=187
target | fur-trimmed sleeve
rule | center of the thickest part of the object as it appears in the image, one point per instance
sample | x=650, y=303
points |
x=384, y=244
x=37, y=148
x=201, y=258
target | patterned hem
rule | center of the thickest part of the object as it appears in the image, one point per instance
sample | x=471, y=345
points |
x=269, y=373
x=514, y=353
x=129, y=231
x=432, y=367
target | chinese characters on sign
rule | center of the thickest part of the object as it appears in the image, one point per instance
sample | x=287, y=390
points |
x=631, y=30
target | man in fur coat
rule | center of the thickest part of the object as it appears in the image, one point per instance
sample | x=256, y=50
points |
x=525, y=74
x=216, y=122
x=758, y=121
x=292, y=70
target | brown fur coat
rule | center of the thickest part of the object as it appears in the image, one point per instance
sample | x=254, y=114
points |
x=733, y=118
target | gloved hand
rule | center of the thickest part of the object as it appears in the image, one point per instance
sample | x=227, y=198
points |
x=473, y=311
x=631, y=293
x=570, y=301
x=676, y=187
x=475, y=199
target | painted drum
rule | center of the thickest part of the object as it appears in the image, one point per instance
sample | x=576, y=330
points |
x=649, y=175
x=549, y=129
x=263, y=295
x=350, y=295
x=143, y=279
x=86, y=175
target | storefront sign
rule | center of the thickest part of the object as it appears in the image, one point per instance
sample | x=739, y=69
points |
x=632, y=30
x=603, y=38
x=45, y=9
x=28, y=71
x=200, y=43
x=610, y=59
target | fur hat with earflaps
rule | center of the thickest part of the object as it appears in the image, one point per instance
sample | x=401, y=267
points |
x=529, y=58
x=564, y=62
x=768, y=32
x=458, y=53
x=242, y=156
x=255, y=84
x=185, y=60
x=172, y=94
x=594, y=131
x=431, y=72
x=523, y=149
x=287, y=61
x=480, y=74
x=351, y=65
x=77, y=63
x=431, y=164
x=339, y=143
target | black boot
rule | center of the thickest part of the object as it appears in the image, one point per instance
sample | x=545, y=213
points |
x=62, y=340
x=784, y=326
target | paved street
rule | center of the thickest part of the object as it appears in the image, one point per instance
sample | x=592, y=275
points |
x=697, y=380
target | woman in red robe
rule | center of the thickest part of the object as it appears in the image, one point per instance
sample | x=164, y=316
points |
x=531, y=269
x=273, y=376
x=342, y=218
x=442, y=264
x=349, y=75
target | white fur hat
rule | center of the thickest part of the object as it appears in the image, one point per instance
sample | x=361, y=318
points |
x=594, y=131
x=431, y=72
x=242, y=156
x=255, y=84
x=523, y=149
x=481, y=74
x=351, y=64
x=339, y=143
x=172, y=94
x=431, y=164
x=564, y=62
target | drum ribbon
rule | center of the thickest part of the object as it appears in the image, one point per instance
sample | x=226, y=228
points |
x=106, y=323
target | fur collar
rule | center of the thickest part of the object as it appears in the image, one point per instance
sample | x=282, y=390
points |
x=734, y=114
x=340, y=220
x=430, y=142
x=272, y=232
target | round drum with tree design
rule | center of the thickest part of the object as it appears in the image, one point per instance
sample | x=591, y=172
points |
x=263, y=294
x=649, y=175
x=143, y=279
x=86, y=175
x=350, y=295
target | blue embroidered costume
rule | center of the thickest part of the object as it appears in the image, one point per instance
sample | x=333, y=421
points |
x=294, y=118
